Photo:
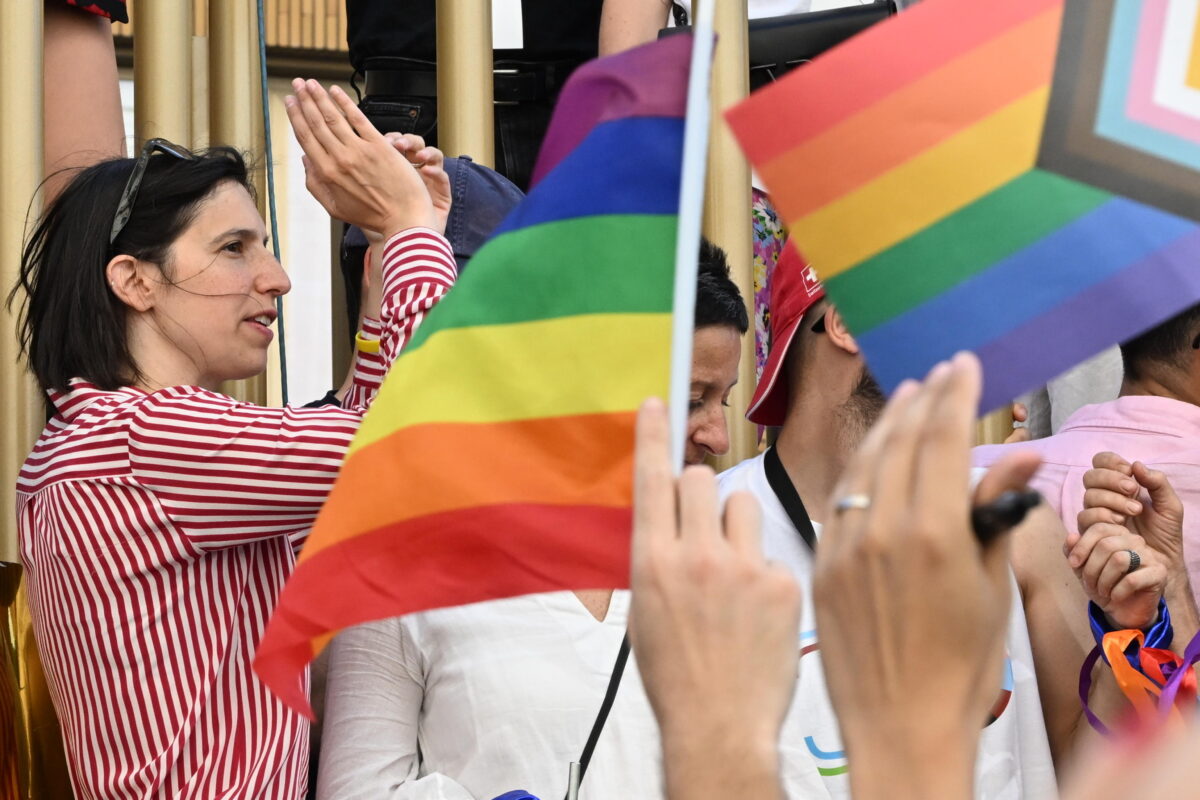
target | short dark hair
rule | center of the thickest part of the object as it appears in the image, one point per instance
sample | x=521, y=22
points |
x=71, y=323
x=1166, y=345
x=718, y=301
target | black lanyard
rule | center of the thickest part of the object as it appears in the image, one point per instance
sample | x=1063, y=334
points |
x=789, y=498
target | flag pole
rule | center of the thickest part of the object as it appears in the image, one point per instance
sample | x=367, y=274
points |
x=691, y=211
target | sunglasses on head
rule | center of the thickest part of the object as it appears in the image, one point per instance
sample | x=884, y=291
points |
x=129, y=195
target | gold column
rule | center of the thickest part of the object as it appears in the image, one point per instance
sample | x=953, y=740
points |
x=995, y=427
x=22, y=762
x=232, y=81
x=727, y=220
x=21, y=155
x=464, y=79
x=199, y=93
x=162, y=72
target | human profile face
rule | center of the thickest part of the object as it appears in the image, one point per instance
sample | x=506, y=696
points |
x=716, y=353
x=213, y=302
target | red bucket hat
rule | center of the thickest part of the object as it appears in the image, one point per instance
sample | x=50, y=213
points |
x=793, y=291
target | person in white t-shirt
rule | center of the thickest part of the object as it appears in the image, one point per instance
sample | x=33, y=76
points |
x=715, y=619
x=817, y=388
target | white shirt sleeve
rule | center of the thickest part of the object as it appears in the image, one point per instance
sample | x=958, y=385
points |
x=373, y=701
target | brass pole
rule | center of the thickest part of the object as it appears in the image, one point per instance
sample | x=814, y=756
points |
x=21, y=153
x=995, y=427
x=199, y=93
x=464, y=79
x=232, y=78
x=727, y=201
x=162, y=72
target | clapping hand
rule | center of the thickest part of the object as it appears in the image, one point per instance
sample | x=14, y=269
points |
x=352, y=170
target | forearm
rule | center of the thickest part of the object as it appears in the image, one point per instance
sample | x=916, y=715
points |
x=722, y=764
x=79, y=80
x=628, y=23
x=418, y=270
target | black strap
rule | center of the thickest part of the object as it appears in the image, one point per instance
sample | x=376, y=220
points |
x=610, y=695
x=789, y=498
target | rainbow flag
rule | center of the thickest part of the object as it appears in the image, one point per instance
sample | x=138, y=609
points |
x=497, y=459
x=1020, y=179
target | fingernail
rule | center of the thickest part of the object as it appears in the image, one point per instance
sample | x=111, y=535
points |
x=297, y=83
x=335, y=89
x=289, y=101
x=312, y=84
x=1135, y=507
x=1128, y=486
x=1119, y=518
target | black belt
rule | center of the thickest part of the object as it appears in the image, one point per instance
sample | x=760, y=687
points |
x=513, y=81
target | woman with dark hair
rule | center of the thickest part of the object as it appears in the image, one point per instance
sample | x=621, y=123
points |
x=159, y=518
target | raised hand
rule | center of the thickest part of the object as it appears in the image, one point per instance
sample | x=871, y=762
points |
x=431, y=165
x=352, y=170
x=713, y=625
x=902, y=583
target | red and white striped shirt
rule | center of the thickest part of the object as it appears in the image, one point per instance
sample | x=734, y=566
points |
x=157, y=531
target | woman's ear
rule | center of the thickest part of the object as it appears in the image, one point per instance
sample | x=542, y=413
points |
x=838, y=333
x=128, y=280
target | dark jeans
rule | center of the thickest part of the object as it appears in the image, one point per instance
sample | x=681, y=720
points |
x=519, y=128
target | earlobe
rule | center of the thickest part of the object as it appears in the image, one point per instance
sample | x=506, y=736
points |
x=126, y=280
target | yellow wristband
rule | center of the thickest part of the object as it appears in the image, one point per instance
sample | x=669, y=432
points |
x=364, y=344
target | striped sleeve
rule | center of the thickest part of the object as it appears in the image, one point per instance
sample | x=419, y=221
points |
x=229, y=473
x=418, y=269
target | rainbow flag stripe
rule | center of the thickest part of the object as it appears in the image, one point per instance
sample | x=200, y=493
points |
x=996, y=177
x=497, y=458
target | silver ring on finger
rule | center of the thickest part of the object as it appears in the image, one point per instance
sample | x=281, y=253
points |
x=852, y=502
x=1135, y=561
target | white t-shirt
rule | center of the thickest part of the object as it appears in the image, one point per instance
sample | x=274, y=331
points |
x=1014, y=753
x=470, y=702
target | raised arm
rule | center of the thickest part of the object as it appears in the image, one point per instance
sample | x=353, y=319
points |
x=395, y=188
x=628, y=23
x=713, y=625
x=83, y=118
x=229, y=473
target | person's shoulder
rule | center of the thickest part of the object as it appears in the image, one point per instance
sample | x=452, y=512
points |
x=985, y=455
x=741, y=476
x=184, y=401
